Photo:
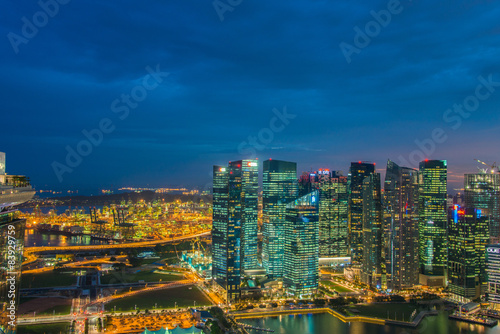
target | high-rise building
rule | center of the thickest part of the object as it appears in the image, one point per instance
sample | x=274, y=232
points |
x=468, y=238
x=482, y=191
x=493, y=275
x=301, y=260
x=357, y=174
x=14, y=190
x=433, y=222
x=333, y=205
x=333, y=216
x=401, y=226
x=279, y=188
x=371, y=265
x=235, y=224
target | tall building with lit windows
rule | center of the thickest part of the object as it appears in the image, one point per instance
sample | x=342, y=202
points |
x=357, y=173
x=235, y=202
x=493, y=275
x=433, y=222
x=301, y=259
x=14, y=190
x=401, y=226
x=482, y=191
x=468, y=238
x=371, y=265
x=279, y=188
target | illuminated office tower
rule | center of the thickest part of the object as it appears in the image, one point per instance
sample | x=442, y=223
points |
x=357, y=174
x=482, y=191
x=493, y=275
x=225, y=238
x=243, y=208
x=401, y=226
x=333, y=205
x=468, y=238
x=14, y=190
x=278, y=189
x=433, y=222
x=371, y=265
x=234, y=229
x=301, y=260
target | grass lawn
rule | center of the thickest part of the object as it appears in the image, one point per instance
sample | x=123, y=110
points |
x=146, y=276
x=60, y=309
x=335, y=286
x=379, y=310
x=47, y=279
x=184, y=297
x=44, y=329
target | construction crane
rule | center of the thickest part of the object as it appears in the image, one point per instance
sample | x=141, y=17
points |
x=493, y=168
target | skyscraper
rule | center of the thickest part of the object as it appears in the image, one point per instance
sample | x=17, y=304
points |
x=357, y=173
x=482, y=191
x=301, y=260
x=333, y=216
x=333, y=205
x=371, y=268
x=433, y=222
x=493, y=275
x=234, y=227
x=243, y=208
x=468, y=238
x=279, y=188
x=401, y=226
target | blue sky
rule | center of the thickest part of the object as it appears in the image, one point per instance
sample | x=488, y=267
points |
x=225, y=77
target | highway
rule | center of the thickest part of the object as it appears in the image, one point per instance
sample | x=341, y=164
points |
x=30, y=250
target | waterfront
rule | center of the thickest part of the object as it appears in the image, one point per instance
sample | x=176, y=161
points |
x=326, y=323
x=33, y=238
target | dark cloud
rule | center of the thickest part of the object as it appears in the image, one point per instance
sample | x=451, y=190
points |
x=226, y=78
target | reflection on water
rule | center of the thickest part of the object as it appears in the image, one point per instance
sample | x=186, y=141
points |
x=326, y=323
x=34, y=238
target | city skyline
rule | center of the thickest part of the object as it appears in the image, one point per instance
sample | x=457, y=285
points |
x=215, y=81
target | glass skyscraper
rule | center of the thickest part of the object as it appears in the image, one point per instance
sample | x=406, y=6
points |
x=468, y=238
x=279, y=188
x=301, y=260
x=482, y=191
x=401, y=226
x=235, y=209
x=357, y=174
x=433, y=222
x=371, y=268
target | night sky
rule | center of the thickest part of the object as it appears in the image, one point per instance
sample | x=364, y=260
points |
x=220, y=73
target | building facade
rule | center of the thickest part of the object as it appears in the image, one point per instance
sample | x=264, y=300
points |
x=433, y=222
x=482, y=191
x=301, y=267
x=357, y=174
x=401, y=226
x=493, y=275
x=279, y=188
x=234, y=229
x=371, y=268
x=468, y=237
